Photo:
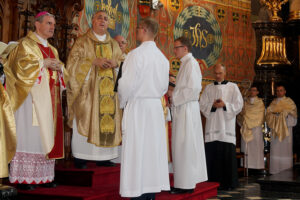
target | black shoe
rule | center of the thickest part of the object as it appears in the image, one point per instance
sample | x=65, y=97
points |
x=80, y=163
x=49, y=185
x=105, y=163
x=26, y=187
x=180, y=191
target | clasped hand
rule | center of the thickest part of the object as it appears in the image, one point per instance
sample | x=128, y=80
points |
x=105, y=63
x=218, y=103
x=53, y=64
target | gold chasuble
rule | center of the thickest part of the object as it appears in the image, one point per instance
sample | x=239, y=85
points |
x=276, y=116
x=22, y=70
x=7, y=133
x=252, y=115
x=90, y=92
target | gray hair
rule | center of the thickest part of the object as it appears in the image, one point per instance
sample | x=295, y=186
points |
x=41, y=18
x=99, y=11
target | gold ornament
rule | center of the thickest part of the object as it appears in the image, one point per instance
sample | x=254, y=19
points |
x=274, y=6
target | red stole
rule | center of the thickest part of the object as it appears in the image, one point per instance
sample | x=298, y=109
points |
x=54, y=84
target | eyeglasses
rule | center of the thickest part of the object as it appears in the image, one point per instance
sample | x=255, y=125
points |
x=123, y=42
x=178, y=47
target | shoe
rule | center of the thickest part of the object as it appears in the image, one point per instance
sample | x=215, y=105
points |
x=49, y=185
x=105, y=163
x=26, y=187
x=180, y=191
x=80, y=163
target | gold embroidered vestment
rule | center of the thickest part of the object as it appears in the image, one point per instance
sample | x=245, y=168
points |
x=90, y=92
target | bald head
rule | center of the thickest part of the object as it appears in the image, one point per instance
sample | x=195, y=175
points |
x=220, y=72
x=122, y=42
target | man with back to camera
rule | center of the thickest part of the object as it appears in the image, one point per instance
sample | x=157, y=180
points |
x=145, y=79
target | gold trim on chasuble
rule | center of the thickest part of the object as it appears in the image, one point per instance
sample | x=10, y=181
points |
x=107, y=105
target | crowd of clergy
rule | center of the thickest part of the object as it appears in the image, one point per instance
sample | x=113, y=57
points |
x=116, y=98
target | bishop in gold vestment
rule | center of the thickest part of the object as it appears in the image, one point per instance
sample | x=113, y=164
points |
x=281, y=117
x=34, y=78
x=92, y=103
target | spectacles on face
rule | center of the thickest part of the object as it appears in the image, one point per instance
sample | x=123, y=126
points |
x=178, y=47
x=123, y=42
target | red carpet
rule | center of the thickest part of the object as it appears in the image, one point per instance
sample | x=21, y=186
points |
x=101, y=183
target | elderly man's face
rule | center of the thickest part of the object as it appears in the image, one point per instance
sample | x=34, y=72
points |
x=100, y=23
x=122, y=43
x=46, y=28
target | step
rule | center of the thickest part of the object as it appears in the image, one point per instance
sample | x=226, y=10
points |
x=93, y=176
x=111, y=192
x=102, y=183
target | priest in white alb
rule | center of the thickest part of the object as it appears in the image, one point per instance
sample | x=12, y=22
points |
x=220, y=102
x=144, y=81
x=251, y=119
x=281, y=117
x=188, y=152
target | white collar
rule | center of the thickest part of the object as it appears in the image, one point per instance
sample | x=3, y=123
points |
x=42, y=40
x=186, y=57
x=279, y=99
x=101, y=38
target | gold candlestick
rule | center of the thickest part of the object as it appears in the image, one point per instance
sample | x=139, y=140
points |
x=274, y=6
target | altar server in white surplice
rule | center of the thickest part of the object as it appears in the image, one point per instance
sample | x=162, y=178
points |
x=220, y=102
x=187, y=139
x=144, y=81
x=281, y=117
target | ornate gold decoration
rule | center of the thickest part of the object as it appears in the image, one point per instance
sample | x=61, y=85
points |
x=175, y=5
x=106, y=87
x=199, y=36
x=273, y=51
x=107, y=105
x=107, y=124
x=113, y=14
x=104, y=50
x=274, y=6
x=294, y=15
x=174, y=66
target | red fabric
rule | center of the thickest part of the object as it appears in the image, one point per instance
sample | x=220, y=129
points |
x=54, y=84
x=144, y=10
x=108, y=190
